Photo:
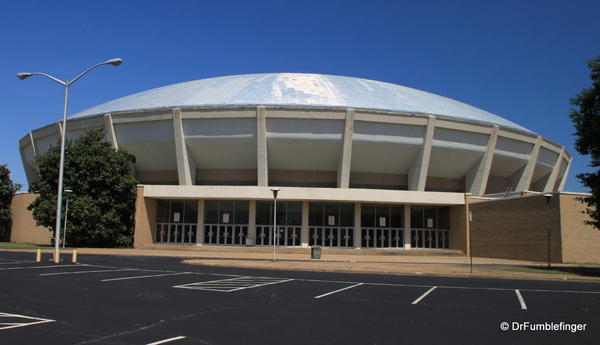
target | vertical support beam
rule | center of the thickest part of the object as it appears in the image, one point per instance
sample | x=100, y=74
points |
x=527, y=173
x=417, y=173
x=59, y=129
x=252, y=222
x=262, y=166
x=186, y=167
x=345, y=160
x=551, y=182
x=407, y=235
x=109, y=129
x=304, y=226
x=200, y=223
x=477, y=177
x=32, y=143
x=563, y=180
x=468, y=222
x=357, y=224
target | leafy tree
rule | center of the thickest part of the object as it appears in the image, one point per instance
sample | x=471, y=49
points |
x=7, y=191
x=586, y=117
x=102, y=205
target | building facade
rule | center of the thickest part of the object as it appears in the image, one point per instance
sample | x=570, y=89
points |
x=359, y=163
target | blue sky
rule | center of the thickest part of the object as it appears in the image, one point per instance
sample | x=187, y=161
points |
x=522, y=60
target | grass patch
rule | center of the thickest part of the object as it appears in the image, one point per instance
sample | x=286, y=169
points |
x=11, y=245
x=579, y=270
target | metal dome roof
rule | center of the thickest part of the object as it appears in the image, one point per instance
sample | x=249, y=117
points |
x=297, y=90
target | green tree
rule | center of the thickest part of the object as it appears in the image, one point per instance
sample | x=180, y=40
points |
x=586, y=117
x=102, y=205
x=7, y=191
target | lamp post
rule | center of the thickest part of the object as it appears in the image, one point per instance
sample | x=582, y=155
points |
x=66, y=84
x=67, y=192
x=275, y=191
x=548, y=197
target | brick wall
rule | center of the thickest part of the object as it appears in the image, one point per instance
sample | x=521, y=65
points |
x=145, y=220
x=24, y=229
x=581, y=242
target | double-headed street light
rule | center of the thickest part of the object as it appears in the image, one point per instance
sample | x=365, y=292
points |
x=66, y=84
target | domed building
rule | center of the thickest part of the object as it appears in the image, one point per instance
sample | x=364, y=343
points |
x=358, y=163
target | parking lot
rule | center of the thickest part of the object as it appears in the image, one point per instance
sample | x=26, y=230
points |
x=154, y=300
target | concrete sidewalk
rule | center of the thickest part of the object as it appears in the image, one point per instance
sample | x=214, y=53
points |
x=449, y=264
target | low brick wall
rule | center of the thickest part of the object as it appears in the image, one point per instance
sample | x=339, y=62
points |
x=24, y=229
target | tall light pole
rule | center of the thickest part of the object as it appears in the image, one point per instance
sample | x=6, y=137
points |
x=275, y=191
x=67, y=191
x=66, y=84
x=548, y=197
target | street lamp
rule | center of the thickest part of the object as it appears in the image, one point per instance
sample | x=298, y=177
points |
x=66, y=84
x=67, y=192
x=275, y=191
x=548, y=197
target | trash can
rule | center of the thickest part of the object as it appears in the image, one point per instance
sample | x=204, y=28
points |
x=315, y=252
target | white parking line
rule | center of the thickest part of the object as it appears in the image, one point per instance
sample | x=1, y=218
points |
x=148, y=276
x=80, y=272
x=7, y=325
x=521, y=300
x=339, y=290
x=424, y=295
x=233, y=284
x=35, y=267
x=166, y=340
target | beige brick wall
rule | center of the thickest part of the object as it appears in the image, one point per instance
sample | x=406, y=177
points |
x=145, y=219
x=581, y=242
x=515, y=228
x=24, y=229
x=458, y=229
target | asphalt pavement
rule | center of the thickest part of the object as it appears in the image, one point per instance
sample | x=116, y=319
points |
x=105, y=299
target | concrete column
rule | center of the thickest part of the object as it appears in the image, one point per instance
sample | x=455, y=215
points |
x=345, y=160
x=262, y=166
x=252, y=222
x=551, y=182
x=109, y=130
x=477, y=177
x=527, y=171
x=407, y=227
x=357, y=224
x=304, y=228
x=32, y=143
x=417, y=172
x=563, y=180
x=59, y=129
x=200, y=222
x=186, y=167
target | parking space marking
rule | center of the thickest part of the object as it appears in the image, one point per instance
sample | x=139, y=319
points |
x=233, y=284
x=81, y=272
x=8, y=325
x=424, y=295
x=521, y=300
x=35, y=267
x=147, y=276
x=167, y=340
x=339, y=290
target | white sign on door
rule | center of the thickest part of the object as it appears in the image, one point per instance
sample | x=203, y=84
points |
x=382, y=221
x=331, y=220
x=430, y=222
x=225, y=218
x=176, y=217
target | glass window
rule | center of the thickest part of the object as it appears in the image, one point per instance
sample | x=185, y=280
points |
x=241, y=212
x=263, y=213
x=294, y=213
x=416, y=217
x=444, y=217
x=211, y=212
x=162, y=211
x=367, y=218
x=190, y=213
x=346, y=214
x=397, y=216
x=315, y=214
x=176, y=215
